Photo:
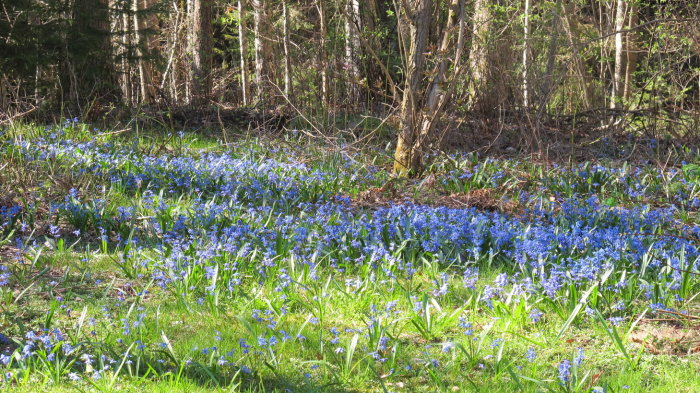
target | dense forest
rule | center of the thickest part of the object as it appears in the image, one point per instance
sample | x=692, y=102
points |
x=540, y=69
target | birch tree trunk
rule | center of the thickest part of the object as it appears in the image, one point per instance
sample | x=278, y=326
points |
x=139, y=54
x=322, y=53
x=618, y=74
x=243, y=45
x=259, y=20
x=287, y=58
x=352, y=45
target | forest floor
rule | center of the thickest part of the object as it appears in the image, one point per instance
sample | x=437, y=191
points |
x=164, y=262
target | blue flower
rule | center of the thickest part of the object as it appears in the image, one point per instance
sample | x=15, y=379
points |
x=564, y=371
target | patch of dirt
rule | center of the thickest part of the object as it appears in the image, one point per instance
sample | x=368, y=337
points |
x=483, y=199
x=6, y=345
x=9, y=253
x=7, y=200
x=665, y=339
x=424, y=192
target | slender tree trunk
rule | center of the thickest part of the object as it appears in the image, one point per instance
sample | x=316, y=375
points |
x=631, y=52
x=200, y=47
x=243, y=44
x=526, y=48
x=287, y=58
x=169, y=75
x=406, y=159
x=259, y=20
x=126, y=44
x=441, y=88
x=139, y=54
x=352, y=45
x=581, y=75
x=89, y=65
x=618, y=75
x=547, y=82
x=4, y=100
x=322, y=53
x=147, y=24
x=479, y=56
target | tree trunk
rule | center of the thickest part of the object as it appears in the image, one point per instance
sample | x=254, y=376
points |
x=581, y=75
x=4, y=99
x=352, y=45
x=322, y=53
x=526, y=48
x=121, y=25
x=242, y=43
x=482, y=97
x=153, y=49
x=201, y=36
x=618, y=75
x=139, y=54
x=171, y=68
x=287, y=59
x=259, y=20
x=631, y=52
x=407, y=160
x=89, y=62
x=441, y=89
x=547, y=88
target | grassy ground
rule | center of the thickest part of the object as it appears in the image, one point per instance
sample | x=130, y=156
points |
x=169, y=262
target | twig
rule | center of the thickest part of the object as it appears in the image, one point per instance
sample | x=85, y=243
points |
x=686, y=316
x=12, y=118
x=113, y=132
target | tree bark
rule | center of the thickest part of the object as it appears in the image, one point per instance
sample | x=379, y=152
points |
x=547, y=82
x=526, y=48
x=618, y=74
x=243, y=45
x=139, y=54
x=89, y=64
x=441, y=88
x=630, y=52
x=580, y=72
x=479, y=55
x=352, y=45
x=322, y=53
x=287, y=59
x=152, y=46
x=259, y=20
x=200, y=36
x=406, y=159
x=418, y=117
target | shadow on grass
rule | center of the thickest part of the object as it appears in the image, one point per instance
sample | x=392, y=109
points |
x=208, y=378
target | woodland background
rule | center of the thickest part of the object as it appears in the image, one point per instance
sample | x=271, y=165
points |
x=535, y=75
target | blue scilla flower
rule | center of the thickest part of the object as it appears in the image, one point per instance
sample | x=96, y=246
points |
x=535, y=315
x=579, y=358
x=530, y=355
x=564, y=371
